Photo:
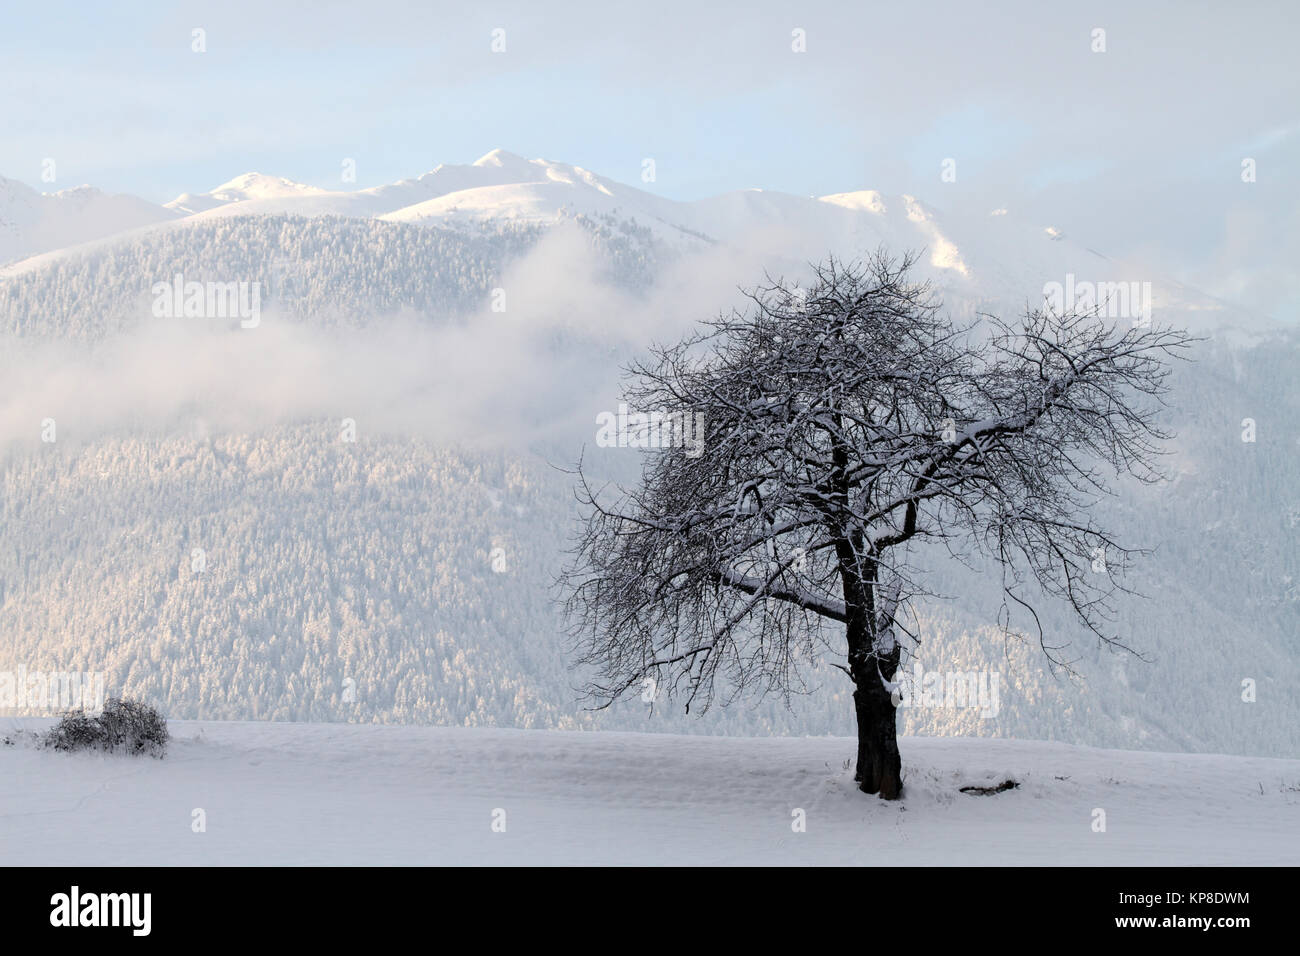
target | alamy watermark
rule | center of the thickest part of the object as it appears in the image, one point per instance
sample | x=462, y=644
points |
x=949, y=690
x=52, y=691
x=208, y=300
x=660, y=429
x=129, y=910
x=1114, y=300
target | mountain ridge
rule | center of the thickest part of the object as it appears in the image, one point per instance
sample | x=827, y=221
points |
x=973, y=261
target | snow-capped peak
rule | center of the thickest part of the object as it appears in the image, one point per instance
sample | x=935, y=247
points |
x=868, y=200
x=245, y=188
x=500, y=158
x=504, y=186
x=261, y=186
x=82, y=192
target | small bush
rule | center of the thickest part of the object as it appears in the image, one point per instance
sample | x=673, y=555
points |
x=124, y=726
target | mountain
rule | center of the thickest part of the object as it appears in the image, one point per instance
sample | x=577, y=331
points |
x=317, y=268
x=32, y=222
x=416, y=566
x=471, y=323
x=256, y=194
x=250, y=187
x=998, y=260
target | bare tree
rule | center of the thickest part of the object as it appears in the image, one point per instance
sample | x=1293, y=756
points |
x=848, y=426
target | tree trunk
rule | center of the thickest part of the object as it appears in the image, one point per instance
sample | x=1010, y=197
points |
x=880, y=766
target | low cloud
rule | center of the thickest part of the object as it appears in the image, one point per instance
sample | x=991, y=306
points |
x=540, y=368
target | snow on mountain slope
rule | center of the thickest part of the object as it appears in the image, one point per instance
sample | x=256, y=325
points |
x=273, y=793
x=501, y=185
x=483, y=647
x=372, y=561
x=264, y=195
x=1000, y=261
x=800, y=227
x=543, y=202
x=250, y=187
x=33, y=222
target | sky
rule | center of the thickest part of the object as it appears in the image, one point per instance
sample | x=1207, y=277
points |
x=1136, y=149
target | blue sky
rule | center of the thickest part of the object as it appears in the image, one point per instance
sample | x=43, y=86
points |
x=1134, y=150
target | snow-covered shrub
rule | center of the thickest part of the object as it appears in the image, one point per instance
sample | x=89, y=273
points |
x=124, y=726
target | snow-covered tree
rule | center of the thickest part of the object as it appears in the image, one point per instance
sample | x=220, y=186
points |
x=850, y=427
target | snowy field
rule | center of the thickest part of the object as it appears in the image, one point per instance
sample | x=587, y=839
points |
x=281, y=793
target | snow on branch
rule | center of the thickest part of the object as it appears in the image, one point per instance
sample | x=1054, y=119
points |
x=848, y=428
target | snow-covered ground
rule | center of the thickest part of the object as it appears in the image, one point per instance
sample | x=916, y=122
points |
x=280, y=793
